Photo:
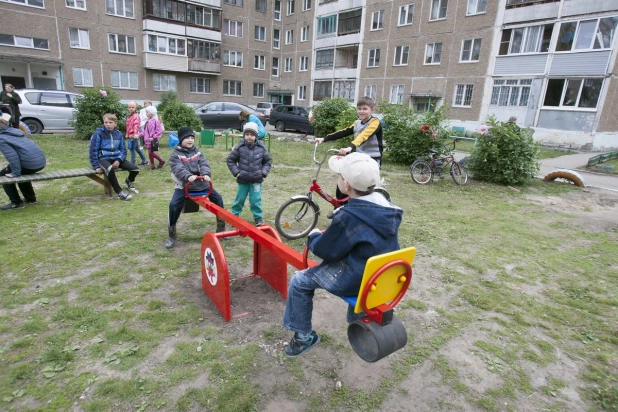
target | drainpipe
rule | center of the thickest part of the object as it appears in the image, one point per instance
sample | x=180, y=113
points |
x=61, y=77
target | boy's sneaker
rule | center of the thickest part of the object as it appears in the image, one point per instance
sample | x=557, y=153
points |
x=258, y=222
x=12, y=206
x=130, y=185
x=31, y=202
x=124, y=196
x=297, y=347
x=143, y=164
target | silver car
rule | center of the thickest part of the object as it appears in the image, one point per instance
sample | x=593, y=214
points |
x=48, y=110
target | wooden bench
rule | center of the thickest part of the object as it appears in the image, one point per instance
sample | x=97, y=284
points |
x=62, y=174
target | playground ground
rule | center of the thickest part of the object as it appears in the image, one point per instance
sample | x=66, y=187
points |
x=513, y=305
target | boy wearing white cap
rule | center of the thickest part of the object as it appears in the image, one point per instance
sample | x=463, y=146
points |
x=367, y=226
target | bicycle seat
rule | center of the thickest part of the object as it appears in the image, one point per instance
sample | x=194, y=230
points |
x=432, y=151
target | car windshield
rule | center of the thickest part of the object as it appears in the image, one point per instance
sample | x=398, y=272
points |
x=263, y=105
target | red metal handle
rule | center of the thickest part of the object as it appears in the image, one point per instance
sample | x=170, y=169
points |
x=375, y=276
x=197, y=178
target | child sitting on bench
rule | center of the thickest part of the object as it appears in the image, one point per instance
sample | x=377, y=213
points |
x=367, y=226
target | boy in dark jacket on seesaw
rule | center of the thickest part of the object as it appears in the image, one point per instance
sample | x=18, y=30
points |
x=249, y=163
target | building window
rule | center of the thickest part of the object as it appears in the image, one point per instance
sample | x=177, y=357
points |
x=289, y=37
x=119, y=43
x=463, y=95
x=401, y=55
x=275, y=68
x=232, y=58
x=322, y=90
x=324, y=58
x=350, y=22
x=377, y=20
x=259, y=63
x=233, y=2
x=396, y=96
x=232, y=28
x=470, y=50
x=124, y=80
x=232, y=88
x=532, y=39
x=76, y=4
x=304, y=63
x=260, y=33
x=260, y=5
x=288, y=64
x=78, y=38
x=573, y=93
x=277, y=10
x=344, y=89
x=258, y=89
x=203, y=16
x=596, y=34
x=371, y=91
x=199, y=85
x=276, y=39
x=306, y=5
x=27, y=42
x=438, y=9
x=120, y=8
x=204, y=50
x=373, y=58
x=512, y=92
x=163, y=82
x=327, y=25
x=302, y=92
x=169, y=45
x=33, y=3
x=433, y=53
x=168, y=9
x=290, y=9
x=406, y=14
x=476, y=7
x=82, y=77
x=304, y=33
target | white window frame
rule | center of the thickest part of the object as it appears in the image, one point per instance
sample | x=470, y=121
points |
x=158, y=80
x=26, y=42
x=234, y=86
x=259, y=62
x=260, y=90
x=593, y=39
x=276, y=38
x=277, y=10
x=304, y=64
x=377, y=20
x=373, y=56
x=131, y=79
x=436, y=9
x=403, y=50
x=304, y=34
x=407, y=11
x=83, y=36
x=306, y=5
x=565, y=87
x=112, y=4
x=470, y=58
x=84, y=81
x=232, y=55
x=237, y=3
x=525, y=33
x=260, y=33
x=290, y=7
x=396, y=95
x=39, y=4
x=510, y=92
x=113, y=39
x=477, y=6
x=275, y=67
x=166, y=43
x=289, y=37
x=371, y=90
x=195, y=86
x=302, y=92
x=76, y=4
x=234, y=28
x=467, y=90
x=287, y=66
x=430, y=48
x=326, y=26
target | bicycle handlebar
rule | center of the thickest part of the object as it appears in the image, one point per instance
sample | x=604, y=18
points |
x=315, y=149
x=198, y=178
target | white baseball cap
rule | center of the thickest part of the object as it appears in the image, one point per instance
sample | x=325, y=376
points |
x=359, y=170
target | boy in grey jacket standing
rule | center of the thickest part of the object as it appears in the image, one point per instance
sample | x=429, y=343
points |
x=249, y=163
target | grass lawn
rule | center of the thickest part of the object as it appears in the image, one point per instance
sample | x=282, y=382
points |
x=513, y=305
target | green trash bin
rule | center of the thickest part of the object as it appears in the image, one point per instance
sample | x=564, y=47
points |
x=207, y=138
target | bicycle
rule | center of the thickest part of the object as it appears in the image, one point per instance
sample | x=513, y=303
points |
x=424, y=172
x=299, y=215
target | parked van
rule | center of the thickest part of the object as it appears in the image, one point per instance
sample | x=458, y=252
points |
x=48, y=110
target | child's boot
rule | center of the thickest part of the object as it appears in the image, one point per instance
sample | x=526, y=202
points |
x=220, y=225
x=169, y=243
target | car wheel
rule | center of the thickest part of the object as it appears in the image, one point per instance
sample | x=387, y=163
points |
x=34, y=125
x=280, y=126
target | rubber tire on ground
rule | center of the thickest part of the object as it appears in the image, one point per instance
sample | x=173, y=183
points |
x=34, y=125
x=279, y=126
x=422, y=168
x=383, y=192
x=566, y=174
x=459, y=174
x=309, y=219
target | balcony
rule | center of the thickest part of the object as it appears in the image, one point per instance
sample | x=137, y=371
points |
x=523, y=3
x=205, y=66
x=159, y=61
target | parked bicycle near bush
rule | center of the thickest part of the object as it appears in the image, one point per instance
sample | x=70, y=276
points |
x=423, y=172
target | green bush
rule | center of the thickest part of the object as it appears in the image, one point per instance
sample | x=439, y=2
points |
x=504, y=153
x=405, y=137
x=91, y=105
x=167, y=98
x=332, y=115
x=177, y=115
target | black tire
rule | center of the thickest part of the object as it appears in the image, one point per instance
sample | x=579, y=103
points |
x=296, y=218
x=34, y=125
x=421, y=172
x=383, y=192
x=459, y=174
x=279, y=126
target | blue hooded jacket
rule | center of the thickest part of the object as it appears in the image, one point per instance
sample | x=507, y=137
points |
x=107, y=145
x=20, y=151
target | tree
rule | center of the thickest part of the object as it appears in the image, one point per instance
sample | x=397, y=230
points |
x=91, y=105
x=331, y=115
x=177, y=115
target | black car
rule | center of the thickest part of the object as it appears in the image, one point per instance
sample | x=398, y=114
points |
x=291, y=117
x=224, y=115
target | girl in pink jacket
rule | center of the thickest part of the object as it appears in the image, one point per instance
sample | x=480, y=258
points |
x=152, y=131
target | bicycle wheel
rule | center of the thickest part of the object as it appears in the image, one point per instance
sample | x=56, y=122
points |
x=459, y=174
x=383, y=192
x=296, y=218
x=421, y=172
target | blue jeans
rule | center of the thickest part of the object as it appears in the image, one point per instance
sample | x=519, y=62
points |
x=178, y=201
x=299, y=306
x=254, y=190
x=135, y=148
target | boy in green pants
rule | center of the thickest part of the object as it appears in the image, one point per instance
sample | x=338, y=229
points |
x=249, y=163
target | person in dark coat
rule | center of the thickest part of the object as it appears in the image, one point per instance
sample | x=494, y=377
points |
x=9, y=97
x=24, y=157
x=249, y=163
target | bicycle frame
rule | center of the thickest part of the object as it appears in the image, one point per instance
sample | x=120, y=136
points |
x=447, y=160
